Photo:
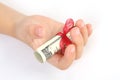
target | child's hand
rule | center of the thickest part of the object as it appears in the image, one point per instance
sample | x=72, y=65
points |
x=36, y=30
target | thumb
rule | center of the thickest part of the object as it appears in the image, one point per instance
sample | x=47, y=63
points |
x=35, y=31
x=35, y=36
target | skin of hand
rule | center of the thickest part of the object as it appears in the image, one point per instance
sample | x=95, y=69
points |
x=36, y=30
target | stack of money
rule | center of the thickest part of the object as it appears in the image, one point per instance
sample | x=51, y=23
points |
x=49, y=48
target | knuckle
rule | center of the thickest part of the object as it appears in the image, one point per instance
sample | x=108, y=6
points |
x=63, y=67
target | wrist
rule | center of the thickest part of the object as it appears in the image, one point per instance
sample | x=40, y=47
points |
x=17, y=21
x=8, y=19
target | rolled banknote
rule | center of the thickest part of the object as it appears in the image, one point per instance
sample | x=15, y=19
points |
x=48, y=49
x=60, y=41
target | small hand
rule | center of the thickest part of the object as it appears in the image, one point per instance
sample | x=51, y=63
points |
x=36, y=30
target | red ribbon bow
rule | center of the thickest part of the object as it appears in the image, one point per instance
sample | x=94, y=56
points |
x=65, y=41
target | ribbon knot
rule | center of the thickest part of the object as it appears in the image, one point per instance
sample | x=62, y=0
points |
x=65, y=41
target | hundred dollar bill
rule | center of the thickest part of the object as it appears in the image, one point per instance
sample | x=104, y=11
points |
x=49, y=48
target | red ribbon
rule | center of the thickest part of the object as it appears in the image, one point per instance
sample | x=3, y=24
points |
x=65, y=41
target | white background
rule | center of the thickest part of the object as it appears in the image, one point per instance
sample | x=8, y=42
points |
x=101, y=56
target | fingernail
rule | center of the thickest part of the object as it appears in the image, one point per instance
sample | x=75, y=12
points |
x=77, y=31
x=82, y=24
x=73, y=48
x=38, y=32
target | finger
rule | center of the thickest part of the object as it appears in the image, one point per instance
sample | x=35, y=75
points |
x=89, y=29
x=68, y=57
x=77, y=39
x=63, y=61
x=83, y=30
